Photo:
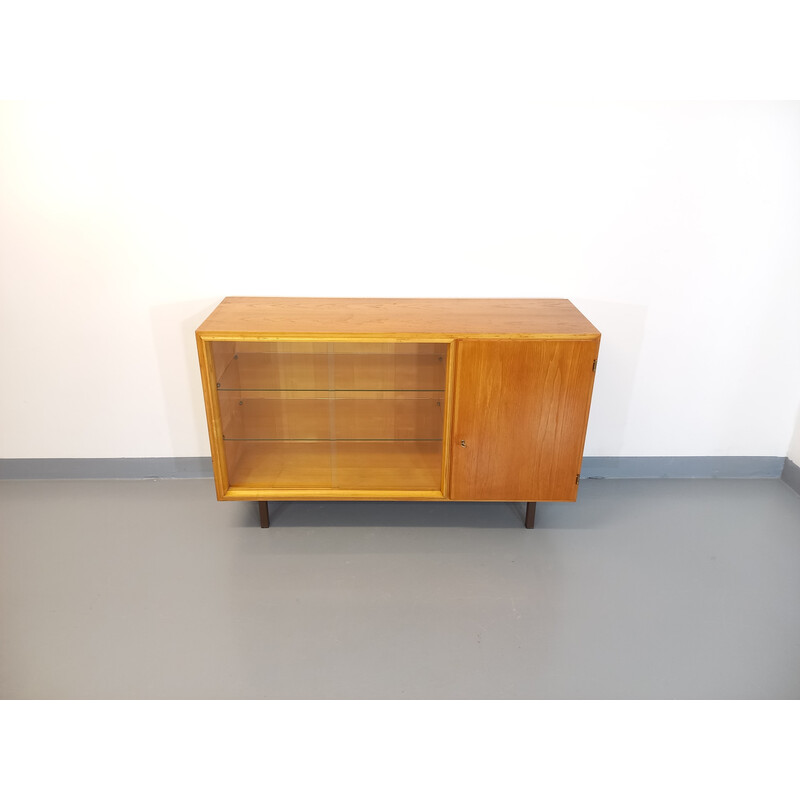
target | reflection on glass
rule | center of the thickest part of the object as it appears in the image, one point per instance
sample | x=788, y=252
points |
x=343, y=415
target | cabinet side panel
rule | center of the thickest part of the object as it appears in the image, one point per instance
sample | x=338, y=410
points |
x=521, y=409
x=208, y=372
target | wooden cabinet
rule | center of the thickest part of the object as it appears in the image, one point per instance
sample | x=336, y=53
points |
x=332, y=399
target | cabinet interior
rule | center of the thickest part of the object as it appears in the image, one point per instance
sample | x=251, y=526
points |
x=332, y=415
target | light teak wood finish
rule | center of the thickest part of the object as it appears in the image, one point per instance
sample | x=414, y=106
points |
x=512, y=379
x=521, y=410
x=415, y=319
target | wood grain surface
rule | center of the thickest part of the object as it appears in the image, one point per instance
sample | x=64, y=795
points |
x=521, y=409
x=415, y=318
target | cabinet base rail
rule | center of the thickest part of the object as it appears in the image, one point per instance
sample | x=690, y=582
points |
x=263, y=513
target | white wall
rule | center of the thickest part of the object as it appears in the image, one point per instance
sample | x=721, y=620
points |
x=674, y=227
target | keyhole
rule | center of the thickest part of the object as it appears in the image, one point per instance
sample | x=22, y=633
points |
x=463, y=443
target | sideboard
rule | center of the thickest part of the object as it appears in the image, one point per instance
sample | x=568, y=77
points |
x=397, y=399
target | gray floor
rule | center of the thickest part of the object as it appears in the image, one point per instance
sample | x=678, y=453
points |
x=642, y=589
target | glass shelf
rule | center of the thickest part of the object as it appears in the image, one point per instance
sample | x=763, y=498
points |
x=332, y=416
x=335, y=371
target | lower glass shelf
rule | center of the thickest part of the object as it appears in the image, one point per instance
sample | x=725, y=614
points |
x=367, y=465
x=332, y=415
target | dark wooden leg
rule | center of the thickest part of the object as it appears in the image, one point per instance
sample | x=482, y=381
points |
x=530, y=513
x=263, y=512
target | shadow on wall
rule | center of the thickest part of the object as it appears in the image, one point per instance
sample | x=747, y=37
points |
x=174, y=343
x=621, y=326
x=794, y=443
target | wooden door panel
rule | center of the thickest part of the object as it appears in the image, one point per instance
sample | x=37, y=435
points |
x=521, y=408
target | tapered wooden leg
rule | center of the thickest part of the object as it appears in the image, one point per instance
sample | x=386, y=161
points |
x=263, y=512
x=530, y=513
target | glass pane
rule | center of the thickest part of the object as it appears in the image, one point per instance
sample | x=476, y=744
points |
x=304, y=366
x=332, y=414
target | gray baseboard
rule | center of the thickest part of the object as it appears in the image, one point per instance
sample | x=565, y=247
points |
x=791, y=475
x=682, y=467
x=104, y=468
x=593, y=467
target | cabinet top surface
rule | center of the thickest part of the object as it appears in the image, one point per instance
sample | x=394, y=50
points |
x=384, y=317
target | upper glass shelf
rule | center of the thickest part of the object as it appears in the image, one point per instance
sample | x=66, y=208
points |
x=334, y=371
